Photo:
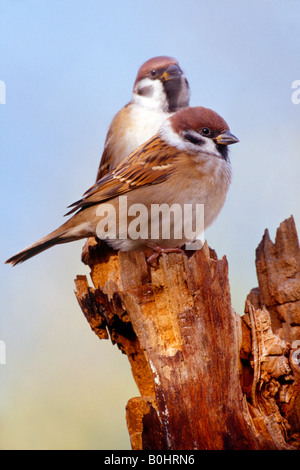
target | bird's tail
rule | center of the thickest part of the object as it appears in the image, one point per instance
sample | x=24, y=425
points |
x=65, y=233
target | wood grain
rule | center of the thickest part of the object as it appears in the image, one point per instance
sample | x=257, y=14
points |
x=208, y=377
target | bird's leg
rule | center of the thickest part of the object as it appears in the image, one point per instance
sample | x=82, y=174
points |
x=159, y=251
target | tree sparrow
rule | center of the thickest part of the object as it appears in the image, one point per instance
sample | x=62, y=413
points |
x=186, y=162
x=159, y=90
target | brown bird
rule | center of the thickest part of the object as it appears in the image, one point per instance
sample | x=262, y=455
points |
x=186, y=162
x=159, y=90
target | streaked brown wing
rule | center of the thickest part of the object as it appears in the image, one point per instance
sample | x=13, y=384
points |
x=114, y=139
x=151, y=163
x=104, y=163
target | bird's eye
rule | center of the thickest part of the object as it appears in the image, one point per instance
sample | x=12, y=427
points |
x=153, y=73
x=205, y=131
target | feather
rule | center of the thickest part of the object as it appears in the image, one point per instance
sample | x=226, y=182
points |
x=151, y=163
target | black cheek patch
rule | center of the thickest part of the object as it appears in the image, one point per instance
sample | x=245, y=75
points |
x=193, y=139
x=145, y=91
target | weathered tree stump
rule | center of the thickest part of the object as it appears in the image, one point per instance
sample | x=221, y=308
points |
x=208, y=378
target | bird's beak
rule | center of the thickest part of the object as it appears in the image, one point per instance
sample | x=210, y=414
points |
x=172, y=71
x=226, y=138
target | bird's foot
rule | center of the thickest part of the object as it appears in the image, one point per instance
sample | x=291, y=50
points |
x=159, y=251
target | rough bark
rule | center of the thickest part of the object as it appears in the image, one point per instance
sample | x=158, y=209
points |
x=208, y=377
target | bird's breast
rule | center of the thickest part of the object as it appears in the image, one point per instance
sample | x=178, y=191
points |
x=132, y=127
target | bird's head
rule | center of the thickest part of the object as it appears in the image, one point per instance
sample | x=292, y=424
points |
x=161, y=84
x=198, y=130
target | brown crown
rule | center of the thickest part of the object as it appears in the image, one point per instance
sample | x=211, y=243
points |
x=159, y=62
x=196, y=118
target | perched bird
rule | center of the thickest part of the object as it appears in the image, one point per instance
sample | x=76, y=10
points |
x=160, y=89
x=186, y=162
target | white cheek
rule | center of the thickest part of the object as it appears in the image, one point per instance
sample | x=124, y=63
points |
x=172, y=138
x=175, y=140
x=209, y=146
x=156, y=99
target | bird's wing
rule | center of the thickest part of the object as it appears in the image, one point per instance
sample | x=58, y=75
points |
x=103, y=167
x=114, y=141
x=106, y=157
x=151, y=163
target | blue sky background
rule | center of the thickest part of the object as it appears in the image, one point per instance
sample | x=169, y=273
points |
x=69, y=66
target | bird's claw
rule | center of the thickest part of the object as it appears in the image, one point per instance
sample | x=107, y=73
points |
x=160, y=251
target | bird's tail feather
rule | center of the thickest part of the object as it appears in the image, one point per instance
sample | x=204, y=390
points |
x=31, y=251
x=63, y=234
